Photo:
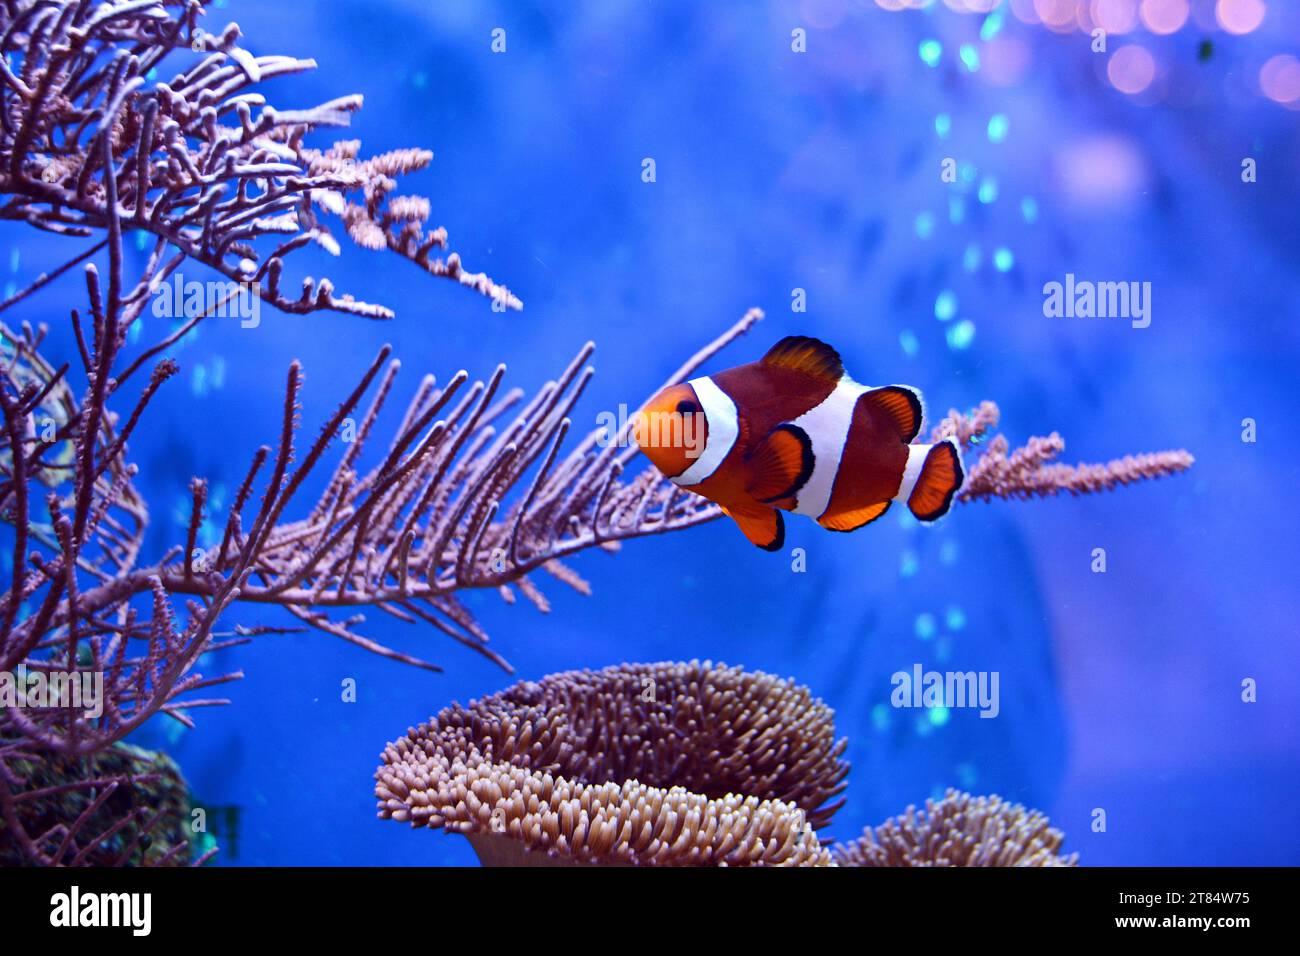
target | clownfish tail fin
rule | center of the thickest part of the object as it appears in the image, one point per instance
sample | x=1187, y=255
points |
x=937, y=485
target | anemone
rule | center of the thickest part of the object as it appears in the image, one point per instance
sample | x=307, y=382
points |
x=959, y=830
x=669, y=764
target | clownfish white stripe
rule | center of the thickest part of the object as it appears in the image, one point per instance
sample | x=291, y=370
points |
x=915, y=462
x=827, y=427
x=724, y=428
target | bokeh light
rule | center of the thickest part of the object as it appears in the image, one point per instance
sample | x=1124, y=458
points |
x=908, y=563
x=992, y=24
x=1240, y=16
x=1131, y=69
x=1115, y=16
x=945, y=306
x=1024, y=11
x=1057, y=14
x=1101, y=172
x=1165, y=16
x=1006, y=61
x=961, y=335
x=1279, y=79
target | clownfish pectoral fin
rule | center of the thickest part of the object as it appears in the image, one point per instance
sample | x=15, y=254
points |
x=780, y=465
x=902, y=405
x=762, y=526
x=941, y=477
x=853, y=520
x=800, y=353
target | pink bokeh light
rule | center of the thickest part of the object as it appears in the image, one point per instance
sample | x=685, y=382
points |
x=1165, y=16
x=1102, y=173
x=1279, y=79
x=1240, y=16
x=1115, y=16
x=1131, y=69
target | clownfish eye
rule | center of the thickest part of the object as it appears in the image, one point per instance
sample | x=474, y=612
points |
x=687, y=407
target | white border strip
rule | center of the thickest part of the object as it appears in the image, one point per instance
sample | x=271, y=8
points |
x=720, y=414
x=916, y=455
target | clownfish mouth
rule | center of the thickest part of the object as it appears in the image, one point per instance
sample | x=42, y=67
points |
x=671, y=440
x=672, y=430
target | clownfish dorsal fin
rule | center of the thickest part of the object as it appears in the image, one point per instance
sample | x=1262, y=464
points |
x=799, y=353
x=902, y=405
x=763, y=526
x=780, y=464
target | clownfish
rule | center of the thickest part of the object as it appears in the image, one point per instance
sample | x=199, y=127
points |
x=793, y=432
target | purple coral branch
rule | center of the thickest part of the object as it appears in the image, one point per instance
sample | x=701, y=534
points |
x=199, y=161
x=1032, y=471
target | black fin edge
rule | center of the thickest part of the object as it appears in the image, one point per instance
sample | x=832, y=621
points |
x=913, y=399
x=861, y=526
x=943, y=509
x=805, y=469
x=791, y=342
x=779, y=541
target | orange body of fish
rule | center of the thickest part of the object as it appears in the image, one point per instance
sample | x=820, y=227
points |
x=793, y=433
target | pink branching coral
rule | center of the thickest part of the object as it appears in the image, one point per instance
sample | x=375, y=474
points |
x=959, y=830
x=691, y=764
x=200, y=161
x=1032, y=471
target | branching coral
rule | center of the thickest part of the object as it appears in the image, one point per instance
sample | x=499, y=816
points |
x=475, y=488
x=121, y=805
x=959, y=830
x=1031, y=471
x=427, y=521
x=201, y=161
x=690, y=764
